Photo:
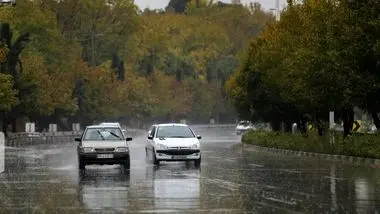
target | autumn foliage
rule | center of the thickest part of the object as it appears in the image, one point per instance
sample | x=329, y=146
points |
x=87, y=61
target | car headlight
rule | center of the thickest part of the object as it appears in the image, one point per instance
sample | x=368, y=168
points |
x=88, y=149
x=195, y=146
x=121, y=149
x=161, y=146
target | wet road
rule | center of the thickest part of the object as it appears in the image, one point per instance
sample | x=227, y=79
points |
x=232, y=179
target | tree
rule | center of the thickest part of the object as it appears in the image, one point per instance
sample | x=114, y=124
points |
x=8, y=98
x=325, y=62
x=178, y=6
x=13, y=66
x=102, y=27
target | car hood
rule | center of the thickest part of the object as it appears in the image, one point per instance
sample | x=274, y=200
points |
x=104, y=144
x=171, y=142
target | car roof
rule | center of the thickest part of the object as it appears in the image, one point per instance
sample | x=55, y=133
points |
x=110, y=124
x=102, y=126
x=171, y=124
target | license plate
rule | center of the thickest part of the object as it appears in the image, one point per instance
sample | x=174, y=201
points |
x=105, y=156
x=179, y=157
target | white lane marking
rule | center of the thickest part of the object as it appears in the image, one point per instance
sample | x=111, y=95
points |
x=281, y=201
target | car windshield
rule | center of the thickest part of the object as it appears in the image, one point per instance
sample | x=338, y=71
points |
x=101, y=134
x=174, y=132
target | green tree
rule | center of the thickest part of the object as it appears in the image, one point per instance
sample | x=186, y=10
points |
x=178, y=6
x=102, y=27
x=13, y=66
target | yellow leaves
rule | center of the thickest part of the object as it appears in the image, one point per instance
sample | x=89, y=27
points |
x=3, y=53
x=54, y=88
x=7, y=94
x=6, y=14
x=189, y=39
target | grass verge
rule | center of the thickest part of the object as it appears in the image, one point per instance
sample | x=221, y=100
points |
x=358, y=145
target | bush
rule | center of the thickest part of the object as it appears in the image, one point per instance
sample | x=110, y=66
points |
x=358, y=145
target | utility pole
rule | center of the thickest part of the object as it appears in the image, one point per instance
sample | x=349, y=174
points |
x=277, y=10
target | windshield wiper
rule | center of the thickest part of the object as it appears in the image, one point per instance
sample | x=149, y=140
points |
x=115, y=135
x=101, y=135
x=178, y=137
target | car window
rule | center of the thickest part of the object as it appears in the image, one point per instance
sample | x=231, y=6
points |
x=102, y=134
x=174, y=132
x=152, y=131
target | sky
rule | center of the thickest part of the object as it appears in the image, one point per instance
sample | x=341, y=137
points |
x=158, y=4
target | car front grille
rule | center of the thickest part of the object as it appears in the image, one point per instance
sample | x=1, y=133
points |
x=176, y=148
x=178, y=151
x=104, y=149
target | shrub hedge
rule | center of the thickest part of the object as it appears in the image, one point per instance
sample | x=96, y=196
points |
x=358, y=145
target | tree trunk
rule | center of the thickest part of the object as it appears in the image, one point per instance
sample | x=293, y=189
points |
x=376, y=119
x=320, y=127
x=302, y=125
x=288, y=126
x=276, y=125
x=14, y=125
x=348, y=121
x=5, y=127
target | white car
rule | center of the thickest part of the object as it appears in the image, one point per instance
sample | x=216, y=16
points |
x=173, y=142
x=114, y=124
x=102, y=145
x=244, y=126
x=5, y=2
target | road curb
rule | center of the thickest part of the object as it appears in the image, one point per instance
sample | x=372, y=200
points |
x=350, y=159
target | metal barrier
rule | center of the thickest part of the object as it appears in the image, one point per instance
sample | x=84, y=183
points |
x=212, y=125
x=36, y=138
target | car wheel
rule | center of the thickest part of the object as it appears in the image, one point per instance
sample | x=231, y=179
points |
x=81, y=163
x=127, y=164
x=197, y=163
x=155, y=161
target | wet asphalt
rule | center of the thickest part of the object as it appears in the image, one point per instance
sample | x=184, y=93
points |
x=231, y=179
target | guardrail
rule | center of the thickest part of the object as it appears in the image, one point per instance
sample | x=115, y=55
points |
x=35, y=138
x=25, y=139
x=212, y=125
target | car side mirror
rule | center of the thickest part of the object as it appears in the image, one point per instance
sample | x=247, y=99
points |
x=78, y=139
x=199, y=137
x=128, y=139
x=150, y=137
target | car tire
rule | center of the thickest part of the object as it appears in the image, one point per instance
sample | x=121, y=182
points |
x=81, y=163
x=155, y=161
x=197, y=163
x=127, y=164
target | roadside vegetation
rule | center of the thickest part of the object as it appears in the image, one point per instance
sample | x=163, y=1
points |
x=321, y=56
x=82, y=61
x=357, y=145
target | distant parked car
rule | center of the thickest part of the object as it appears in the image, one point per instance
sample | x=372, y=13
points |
x=114, y=124
x=244, y=126
x=8, y=2
x=101, y=145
